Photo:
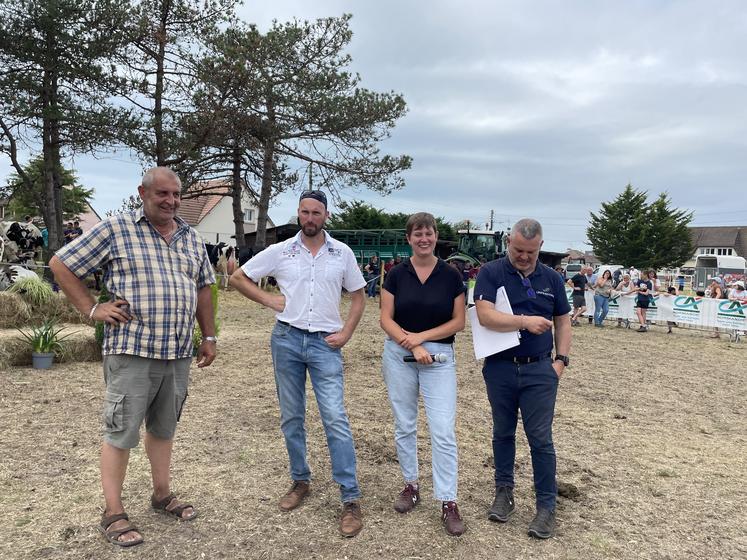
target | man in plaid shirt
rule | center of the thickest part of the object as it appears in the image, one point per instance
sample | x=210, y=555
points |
x=157, y=270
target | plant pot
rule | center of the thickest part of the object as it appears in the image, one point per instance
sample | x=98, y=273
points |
x=42, y=360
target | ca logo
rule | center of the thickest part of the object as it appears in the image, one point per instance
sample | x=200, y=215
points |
x=688, y=303
x=732, y=308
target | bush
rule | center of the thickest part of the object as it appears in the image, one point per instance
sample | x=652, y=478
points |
x=197, y=334
x=35, y=291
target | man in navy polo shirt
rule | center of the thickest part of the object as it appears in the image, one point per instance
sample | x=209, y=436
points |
x=525, y=377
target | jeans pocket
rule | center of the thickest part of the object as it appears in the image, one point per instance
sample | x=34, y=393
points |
x=113, y=412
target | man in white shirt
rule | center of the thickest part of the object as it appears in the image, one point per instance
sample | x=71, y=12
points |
x=311, y=269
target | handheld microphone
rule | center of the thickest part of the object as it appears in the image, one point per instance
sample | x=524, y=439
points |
x=440, y=358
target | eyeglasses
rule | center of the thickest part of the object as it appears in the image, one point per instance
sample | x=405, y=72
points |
x=531, y=294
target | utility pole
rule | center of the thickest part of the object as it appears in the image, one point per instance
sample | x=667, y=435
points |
x=492, y=215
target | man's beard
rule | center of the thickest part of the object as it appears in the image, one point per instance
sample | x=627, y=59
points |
x=311, y=230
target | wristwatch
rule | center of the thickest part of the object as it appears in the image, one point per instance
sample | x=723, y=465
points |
x=210, y=338
x=561, y=358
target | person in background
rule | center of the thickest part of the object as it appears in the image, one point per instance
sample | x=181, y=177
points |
x=602, y=293
x=716, y=291
x=625, y=288
x=422, y=308
x=591, y=281
x=373, y=269
x=671, y=292
x=578, y=282
x=644, y=287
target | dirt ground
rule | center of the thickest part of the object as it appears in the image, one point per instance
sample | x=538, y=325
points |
x=650, y=434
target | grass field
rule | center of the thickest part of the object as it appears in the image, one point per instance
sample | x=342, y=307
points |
x=650, y=434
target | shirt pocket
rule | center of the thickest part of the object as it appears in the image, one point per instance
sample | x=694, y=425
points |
x=334, y=270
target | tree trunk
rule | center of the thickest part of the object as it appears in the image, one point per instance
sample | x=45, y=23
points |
x=264, y=195
x=50, y=135
x=237, y=190
x=161, y=37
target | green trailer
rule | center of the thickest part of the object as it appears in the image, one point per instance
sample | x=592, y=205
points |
x=385, y=243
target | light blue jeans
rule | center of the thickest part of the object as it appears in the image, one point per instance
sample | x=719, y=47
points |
x=293, y=352
x=601, y=308
x=437, y=383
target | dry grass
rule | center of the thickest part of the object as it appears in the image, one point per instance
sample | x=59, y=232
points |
x=15, y=312
x=649, y=432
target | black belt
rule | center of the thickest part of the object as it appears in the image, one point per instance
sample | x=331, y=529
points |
x=523, y=360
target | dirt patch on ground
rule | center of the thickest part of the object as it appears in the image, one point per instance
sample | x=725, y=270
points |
x=650, y=434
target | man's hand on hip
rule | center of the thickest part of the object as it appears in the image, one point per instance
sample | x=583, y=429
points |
x=112, y=312
x=337, y=340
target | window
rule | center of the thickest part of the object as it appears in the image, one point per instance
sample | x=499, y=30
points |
x=248, y=215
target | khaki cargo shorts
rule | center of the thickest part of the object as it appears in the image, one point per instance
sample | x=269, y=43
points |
x=140, y=389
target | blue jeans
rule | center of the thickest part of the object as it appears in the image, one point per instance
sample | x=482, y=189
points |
x=293, y=352
x=437, y=383
x=601, y=308
x=372, y=285
x=531, y=389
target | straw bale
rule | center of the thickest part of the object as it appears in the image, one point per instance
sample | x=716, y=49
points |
x=14, y=311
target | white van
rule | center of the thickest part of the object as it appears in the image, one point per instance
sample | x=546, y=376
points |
x=571, y=269
x=598, y=271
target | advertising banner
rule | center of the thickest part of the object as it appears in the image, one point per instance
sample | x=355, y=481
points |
x=687, y=310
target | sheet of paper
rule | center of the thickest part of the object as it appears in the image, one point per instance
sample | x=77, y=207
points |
x=487, y=341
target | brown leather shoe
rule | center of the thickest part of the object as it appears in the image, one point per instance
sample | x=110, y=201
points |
x=295, y=495
x=407, y=499
x=451, y=519
x=351, y=521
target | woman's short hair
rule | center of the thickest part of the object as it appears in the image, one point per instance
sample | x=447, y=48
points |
x=420, y=220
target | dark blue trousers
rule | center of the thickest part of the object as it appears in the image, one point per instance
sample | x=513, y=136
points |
x=531, y=389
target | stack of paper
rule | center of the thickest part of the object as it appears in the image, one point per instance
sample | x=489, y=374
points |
x=487, y=341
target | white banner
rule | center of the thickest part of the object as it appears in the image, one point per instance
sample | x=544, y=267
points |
x=688, y=310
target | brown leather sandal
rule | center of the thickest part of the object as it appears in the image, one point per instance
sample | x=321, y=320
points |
x=160, y=507
x=112, y=535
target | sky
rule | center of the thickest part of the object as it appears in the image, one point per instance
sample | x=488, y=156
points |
x=544, y=109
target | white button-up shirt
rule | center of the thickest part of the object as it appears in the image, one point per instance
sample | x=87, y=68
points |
x=312, y=285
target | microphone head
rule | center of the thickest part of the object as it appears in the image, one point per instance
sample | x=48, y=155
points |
x=440, y=358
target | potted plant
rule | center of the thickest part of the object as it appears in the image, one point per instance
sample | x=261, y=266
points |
x=45, y=342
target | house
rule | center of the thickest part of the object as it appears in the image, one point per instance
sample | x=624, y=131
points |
x=211, y=214
x=718, y=250
x=720, y=240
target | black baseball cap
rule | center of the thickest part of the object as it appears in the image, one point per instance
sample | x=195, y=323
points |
x=316, y=195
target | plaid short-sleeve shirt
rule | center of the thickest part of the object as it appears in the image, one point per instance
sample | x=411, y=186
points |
x=159, y=281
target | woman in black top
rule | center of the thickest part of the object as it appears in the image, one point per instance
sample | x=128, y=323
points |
x=422, y=307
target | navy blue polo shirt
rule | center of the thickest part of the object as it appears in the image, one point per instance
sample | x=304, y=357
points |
x=420, y=307
x=550, y=301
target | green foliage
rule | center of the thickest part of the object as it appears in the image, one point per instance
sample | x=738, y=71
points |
x=630, y=231
x=197, y=335
x=27, y=201
x=56, y=84
x=34, y=291
x=99, y=328
x=286, y=101
x=129, y=204
x=46, y=338
x=361, y=215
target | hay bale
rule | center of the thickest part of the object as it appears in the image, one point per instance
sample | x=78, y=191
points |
x=79, y=347
x=14, y=311
x=63, y=311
